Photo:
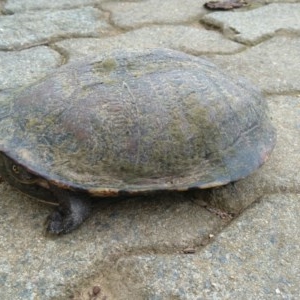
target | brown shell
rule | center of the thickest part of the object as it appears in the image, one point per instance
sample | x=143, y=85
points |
x=138, y=121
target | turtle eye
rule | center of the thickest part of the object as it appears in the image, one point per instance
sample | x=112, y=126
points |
x=22, y=175
x=15, y=169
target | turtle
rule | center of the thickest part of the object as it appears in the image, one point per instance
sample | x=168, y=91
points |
x=130, y=122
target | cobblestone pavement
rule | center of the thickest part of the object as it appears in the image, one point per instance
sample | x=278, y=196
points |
x=234, y=242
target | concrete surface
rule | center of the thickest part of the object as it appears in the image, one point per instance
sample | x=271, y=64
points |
x=240, y=241
x=194, y=40
x=254, y=26
x=19, y=68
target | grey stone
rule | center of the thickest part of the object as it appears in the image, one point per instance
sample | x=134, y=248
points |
x=255, y=25
x=33, y=266
x=135, y=14
x=23, y=67
x=23, y=6
x=33, y=28
x=256, y=257
x=283, y=169
x=4, y=95
x=272, y=65
x=184, y=38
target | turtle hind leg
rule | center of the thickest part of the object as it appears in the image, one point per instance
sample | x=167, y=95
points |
x=73, y=209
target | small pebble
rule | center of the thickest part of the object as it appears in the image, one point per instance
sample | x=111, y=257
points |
x=189, y=250
x=96, y=290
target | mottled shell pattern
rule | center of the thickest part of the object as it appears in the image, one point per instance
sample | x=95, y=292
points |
x=137, y=121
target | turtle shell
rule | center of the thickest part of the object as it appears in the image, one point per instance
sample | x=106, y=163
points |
x=138, y=121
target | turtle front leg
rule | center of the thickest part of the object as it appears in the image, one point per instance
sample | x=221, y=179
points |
x=73, y=209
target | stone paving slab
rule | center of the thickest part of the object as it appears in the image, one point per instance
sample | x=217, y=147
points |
x=4, y=95
x=23, y=67
x=183, y=38
x=286, y=117
x=133, y=14
x=253, y=26
x=22, y=6
x=272, y=65
x=33, y=28
x=253, y=258
x=49, y=267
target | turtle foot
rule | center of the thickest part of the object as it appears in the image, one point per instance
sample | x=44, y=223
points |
x=59, y=223
x=71, y=212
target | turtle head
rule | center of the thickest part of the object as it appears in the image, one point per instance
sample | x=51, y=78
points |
x=21, y=178
x=18, y=172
